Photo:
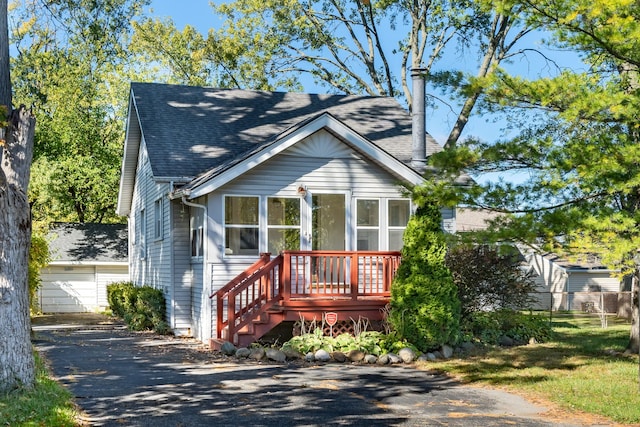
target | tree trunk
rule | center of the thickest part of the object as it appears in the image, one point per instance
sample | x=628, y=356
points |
x=17, y=367
x=634, y=335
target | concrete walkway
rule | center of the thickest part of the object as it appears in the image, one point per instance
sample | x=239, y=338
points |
x=140, y=379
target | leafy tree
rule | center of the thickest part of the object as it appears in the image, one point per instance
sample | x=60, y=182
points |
x=425, y=309
x=578, y=144
x=72, y=65
x=352, y=47
x=488, y=277
x=17, y=366
x=39, y=257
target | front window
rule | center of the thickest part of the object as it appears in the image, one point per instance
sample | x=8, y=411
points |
x=241, y=223
x=368, y=224
x=399, y=211
x=283, y=224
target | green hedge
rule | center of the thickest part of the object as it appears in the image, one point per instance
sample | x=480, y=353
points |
x=141, y=307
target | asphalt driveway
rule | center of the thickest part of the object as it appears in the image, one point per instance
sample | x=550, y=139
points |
x=123, y=378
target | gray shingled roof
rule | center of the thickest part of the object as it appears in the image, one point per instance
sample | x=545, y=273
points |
x=88, y=242
x=189, y=130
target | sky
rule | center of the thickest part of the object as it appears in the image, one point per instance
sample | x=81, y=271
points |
x=199, y=14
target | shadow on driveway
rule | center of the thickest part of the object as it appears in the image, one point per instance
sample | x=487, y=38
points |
x=121, y=378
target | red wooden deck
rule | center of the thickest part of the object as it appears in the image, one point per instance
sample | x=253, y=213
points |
x=304, y=284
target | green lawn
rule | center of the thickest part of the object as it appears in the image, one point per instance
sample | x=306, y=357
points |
x=48, y=404
x=582, y=369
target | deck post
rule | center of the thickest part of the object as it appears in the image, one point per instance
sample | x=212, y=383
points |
x=285, y=276
x=354, y=275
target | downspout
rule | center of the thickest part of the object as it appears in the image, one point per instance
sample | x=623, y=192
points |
x=205, y=250
x=418, y=131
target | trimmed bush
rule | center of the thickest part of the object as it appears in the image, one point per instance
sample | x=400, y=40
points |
x=425, y=309
x=116, y=296
x=142, y=308
x=488, y=327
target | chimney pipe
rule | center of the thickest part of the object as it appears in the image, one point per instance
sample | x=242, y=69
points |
x=418, y=132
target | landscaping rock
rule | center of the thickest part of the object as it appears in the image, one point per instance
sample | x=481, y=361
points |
x=383, y=359
x=424, y=358
x=356, y=355
x=310, y=357
x=322, y=356
x=431, y=357
x=447, y=351
x=257, y=353
x=438, y=355
x=228, y=349
x=467, y=346
x=275, y=355
x=506, y=341
x=370, y=359
x=243, y=353
x=292, y=354
x=533, y=341
x=407, y=355
x=339, y=356
x=394, y=358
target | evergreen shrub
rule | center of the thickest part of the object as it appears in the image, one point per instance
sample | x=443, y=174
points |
x=425, y=309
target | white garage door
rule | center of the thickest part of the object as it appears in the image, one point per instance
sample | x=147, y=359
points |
x=77, y=289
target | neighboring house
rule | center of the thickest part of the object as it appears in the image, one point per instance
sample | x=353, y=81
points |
x=212, y=178
x=585, y=285
x=84, y=259
x=561, y=284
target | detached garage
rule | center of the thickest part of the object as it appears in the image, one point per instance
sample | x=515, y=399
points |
x=85, y=258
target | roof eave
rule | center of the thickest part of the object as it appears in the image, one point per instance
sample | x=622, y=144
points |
x=132, y=141
x=325, y=120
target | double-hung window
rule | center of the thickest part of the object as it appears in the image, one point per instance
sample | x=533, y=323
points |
x=283, y=224
x=368, y=224
x=157, y=219
x=197, y=232
x=398, y=214
x=241, y=225
x=143, y=234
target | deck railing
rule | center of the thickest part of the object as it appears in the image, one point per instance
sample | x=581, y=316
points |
x=345, y=274
x=302, y=275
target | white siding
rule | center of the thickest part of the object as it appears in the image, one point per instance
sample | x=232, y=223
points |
x=592, y=281
x=323, y=164
x=180, y=294
x=150, y=257
x=77, y=289
x=106, y=274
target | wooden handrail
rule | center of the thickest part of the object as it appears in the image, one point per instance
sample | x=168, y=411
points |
x=252, y=269
x=308, y=275
x=250, y=296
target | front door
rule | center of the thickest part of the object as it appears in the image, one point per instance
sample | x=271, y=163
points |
x=328, y=230
x=328, y=222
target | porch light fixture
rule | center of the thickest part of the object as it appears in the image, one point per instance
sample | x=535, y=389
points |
x=302, y=189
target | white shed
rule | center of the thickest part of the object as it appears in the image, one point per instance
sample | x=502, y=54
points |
x=85, y=258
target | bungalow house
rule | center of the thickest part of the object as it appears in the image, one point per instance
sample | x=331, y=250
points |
x=238, y=200
x=85, y=258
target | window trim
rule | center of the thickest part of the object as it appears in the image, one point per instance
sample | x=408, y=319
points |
x=196, y=233
x=158, y=219
x=369, y=227
x=270, y=227
x=226, y=226
x=396, y=227
x=143, y=234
